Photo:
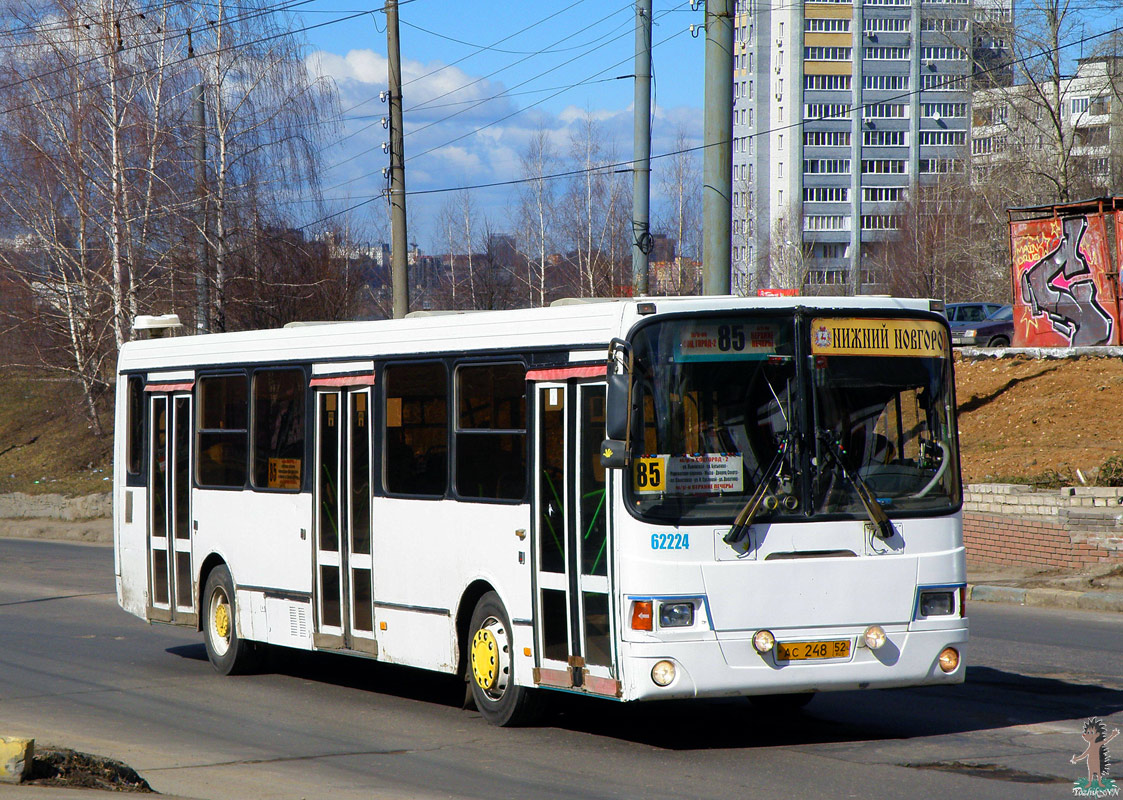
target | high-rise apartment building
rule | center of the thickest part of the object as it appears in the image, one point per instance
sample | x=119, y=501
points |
x=840, y=109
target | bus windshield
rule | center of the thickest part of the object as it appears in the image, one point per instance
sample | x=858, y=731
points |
x=820, y=412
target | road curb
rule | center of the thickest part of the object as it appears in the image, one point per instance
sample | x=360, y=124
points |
x=1047, y=598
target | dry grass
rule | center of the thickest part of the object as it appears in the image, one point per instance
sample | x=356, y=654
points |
x=46, y=444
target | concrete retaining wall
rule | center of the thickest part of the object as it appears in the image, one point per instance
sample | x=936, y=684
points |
x=54, y=506
x=1067, y=528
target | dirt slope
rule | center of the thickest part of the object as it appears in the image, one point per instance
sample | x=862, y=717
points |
x=1039, y=419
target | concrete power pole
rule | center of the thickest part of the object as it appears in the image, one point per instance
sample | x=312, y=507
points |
x=399, y=260
x=717, y=165
x=641, y=151
x=202, y=313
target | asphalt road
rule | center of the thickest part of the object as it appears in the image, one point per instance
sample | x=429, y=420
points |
x=76, y=671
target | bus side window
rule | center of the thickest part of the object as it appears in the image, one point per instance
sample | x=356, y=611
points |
x=278, y=429
x=491, y=431
x=223, y=406
x=135, y=425
x=415, y=429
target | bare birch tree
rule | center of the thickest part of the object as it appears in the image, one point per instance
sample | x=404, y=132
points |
x=261, y=98
x=681, y=183
x=536, y=208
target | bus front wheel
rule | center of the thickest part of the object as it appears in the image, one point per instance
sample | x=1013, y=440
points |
x=228, y=653
x=489, y=672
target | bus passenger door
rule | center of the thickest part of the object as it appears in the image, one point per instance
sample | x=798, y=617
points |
x=171, y=588
x=343, y=559
x=573, y=612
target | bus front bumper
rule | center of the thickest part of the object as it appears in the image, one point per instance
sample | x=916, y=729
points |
x=731, y=666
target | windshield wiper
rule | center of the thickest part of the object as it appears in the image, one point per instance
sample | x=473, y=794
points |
x=883, y=528
x=744, y=520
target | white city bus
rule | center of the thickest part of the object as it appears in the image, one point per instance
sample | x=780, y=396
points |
x=643, y=499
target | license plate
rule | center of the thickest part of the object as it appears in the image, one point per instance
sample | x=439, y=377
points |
x=803, y=651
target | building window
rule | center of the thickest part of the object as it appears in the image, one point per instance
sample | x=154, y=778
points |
x=879, y=222
x=944, y=110
x=815, y=222
x=826, y=166
x=826, y=138
x=883, y=194
x=826, y=194
x=885, y=138
x=827, y=83
x=943, y=83
x=981, y=146
x=885, y=111
x=885, y=25
x=886, y=54
x=929, y=166
x=814, y=111
x=888, y=83
x=820, y=25
x=884, y=166
x=943, y=138
x=827, y=53
x=944, y=24
x=943, y=53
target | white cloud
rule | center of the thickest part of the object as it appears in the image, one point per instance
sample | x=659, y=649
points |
x=461, y=131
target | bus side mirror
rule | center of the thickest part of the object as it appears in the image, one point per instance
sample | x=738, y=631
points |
x=617, y=414
x=616, y=407
x=613, y=454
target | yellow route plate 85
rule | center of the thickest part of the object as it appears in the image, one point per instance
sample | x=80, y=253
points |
x=803, y=651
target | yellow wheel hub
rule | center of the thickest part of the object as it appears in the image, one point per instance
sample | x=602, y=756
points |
x=222, y=620
x=485, y=659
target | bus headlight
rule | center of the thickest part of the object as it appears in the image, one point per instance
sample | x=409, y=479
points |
x=663, y=673
x=936, y=604
x=676, y=615
x=875, y=637
x=763, y=641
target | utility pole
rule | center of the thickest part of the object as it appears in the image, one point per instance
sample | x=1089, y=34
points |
x=641, y=151
x=399, y=260
x=202, y=316
x=717, y=165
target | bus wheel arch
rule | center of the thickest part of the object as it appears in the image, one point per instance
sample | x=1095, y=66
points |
x=209, y=563
x=468, y=602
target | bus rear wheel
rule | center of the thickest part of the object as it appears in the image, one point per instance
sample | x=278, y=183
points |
x=490, y=671
x=228, y=653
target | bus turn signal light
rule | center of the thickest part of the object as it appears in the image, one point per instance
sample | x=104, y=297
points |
x=642, y=618
x=949, y=659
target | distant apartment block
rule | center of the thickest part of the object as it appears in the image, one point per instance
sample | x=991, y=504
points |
x=840, y=108
x=1014, y=126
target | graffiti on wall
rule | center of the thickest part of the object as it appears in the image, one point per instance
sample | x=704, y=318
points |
x=1063, y=292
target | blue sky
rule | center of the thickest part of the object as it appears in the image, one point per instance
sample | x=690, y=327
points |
x=481, y=78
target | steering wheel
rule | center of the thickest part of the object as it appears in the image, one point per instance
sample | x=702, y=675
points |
x=944, y=461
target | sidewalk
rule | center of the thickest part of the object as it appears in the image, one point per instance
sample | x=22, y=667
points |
x=1094, y=590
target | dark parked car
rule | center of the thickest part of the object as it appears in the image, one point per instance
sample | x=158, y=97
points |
x=981, y=324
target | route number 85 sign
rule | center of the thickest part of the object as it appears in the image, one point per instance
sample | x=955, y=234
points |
x=650, y=474
x=701, y=473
